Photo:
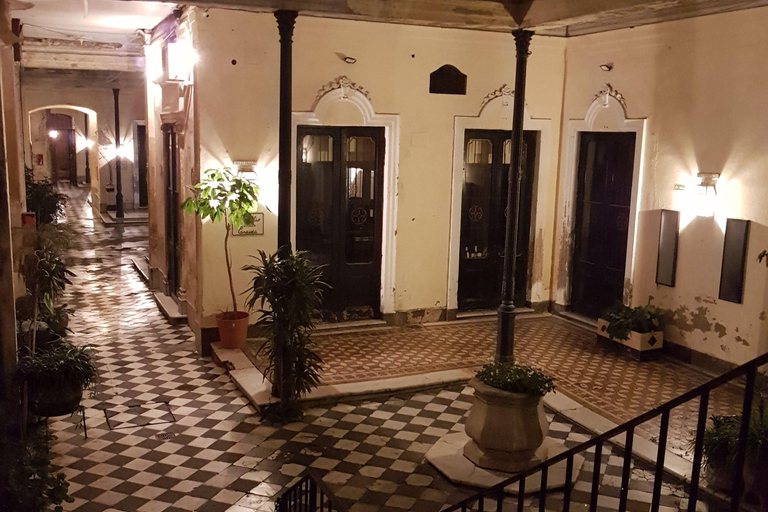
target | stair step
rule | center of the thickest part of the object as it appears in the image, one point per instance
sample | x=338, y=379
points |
x=323, y=329
x=487, y=313
x=169, y=308
x=142, y=267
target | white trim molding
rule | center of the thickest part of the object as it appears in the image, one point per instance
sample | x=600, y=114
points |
x=342, y=102
x=606, y=113
x=496, y=114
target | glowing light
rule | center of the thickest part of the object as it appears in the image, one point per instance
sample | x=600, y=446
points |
x=182, y=58
x=53, y=134
x=82, y=143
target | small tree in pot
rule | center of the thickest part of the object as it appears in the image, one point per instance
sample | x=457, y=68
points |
x=224, y=195
x=293, y=288
x=506, y=423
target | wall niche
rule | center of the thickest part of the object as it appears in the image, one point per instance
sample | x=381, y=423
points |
x=447, y=79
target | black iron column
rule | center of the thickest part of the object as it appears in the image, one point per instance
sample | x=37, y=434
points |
x=118, y=172
x=505, y=336
x=87, y=150
x=285, y=24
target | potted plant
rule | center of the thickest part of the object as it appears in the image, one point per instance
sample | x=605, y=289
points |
x=506, y=423
x=719, y=447
x=56, y=378
x=42, y=199
x=292, y=287
x=224, y=195
x=638, y=329
x=28, y=480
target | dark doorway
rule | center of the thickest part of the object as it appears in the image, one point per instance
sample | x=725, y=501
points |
x=141, y=163
x=170, y=161
x=61, y=135
x=339, y=201
x=487, y=156
x=604, y=194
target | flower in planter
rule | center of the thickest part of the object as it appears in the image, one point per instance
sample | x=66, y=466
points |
x=624, y=319
x=516, y=379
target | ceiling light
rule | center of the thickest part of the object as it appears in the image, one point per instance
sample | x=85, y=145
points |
x=350, y=60
x=606, y=67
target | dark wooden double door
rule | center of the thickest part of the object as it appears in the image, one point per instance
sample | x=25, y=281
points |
x=603, y=199
x=339, y=202
x=484, y=211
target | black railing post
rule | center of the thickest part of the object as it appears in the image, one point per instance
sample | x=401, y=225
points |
x=543, y=490
x=698, y=450
x=626, y=470
x=520, y=495
x=568, y=479
x=596, y=477
x=660, y=456
x=312, y=496
x=741, y=447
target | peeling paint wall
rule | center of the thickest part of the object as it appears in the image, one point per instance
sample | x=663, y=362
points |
x=700, y=83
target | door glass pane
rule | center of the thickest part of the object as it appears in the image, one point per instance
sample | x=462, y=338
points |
x=507, y=152
x=313, y=206
x=476, y=200
x=361, y=178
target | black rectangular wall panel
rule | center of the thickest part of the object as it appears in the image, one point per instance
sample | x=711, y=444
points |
x=666, y=264
x=734, y=260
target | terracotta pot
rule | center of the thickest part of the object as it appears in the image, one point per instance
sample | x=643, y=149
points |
x=505, y=429
x=233, y=328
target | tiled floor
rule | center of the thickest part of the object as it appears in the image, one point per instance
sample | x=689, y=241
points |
x=609, y=383
x=167, y=430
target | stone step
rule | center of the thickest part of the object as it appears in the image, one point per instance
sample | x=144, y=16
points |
x=169, y=308
x=141, y=264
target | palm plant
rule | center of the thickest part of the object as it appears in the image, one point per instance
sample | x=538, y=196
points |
x=293, y=288
x=224, y=195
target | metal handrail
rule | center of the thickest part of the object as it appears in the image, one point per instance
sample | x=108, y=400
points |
x=702, y=392
x=303, y=496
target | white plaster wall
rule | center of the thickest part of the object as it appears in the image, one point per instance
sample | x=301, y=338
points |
x=238, y=116
x=700, y=83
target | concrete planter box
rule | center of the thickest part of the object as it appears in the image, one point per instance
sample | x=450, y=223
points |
x=505, y=429
x=639, y=343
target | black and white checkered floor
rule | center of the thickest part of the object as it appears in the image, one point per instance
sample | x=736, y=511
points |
x=168, y=430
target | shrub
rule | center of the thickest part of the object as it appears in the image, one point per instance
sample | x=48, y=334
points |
x=293, y=288
x=27, y=479
x=42, y=199
x=516, y=379
x=623, y=319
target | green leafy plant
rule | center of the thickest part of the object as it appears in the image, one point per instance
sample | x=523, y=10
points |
x=27, y=479
x=42, y=199
x=46, y=276
x=224, y=195
x=293, y=288
x=516, y=379
x=623, y=319
x=62, y=362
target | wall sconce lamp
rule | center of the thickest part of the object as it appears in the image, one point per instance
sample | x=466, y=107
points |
x=709, y=179
x=53, y=134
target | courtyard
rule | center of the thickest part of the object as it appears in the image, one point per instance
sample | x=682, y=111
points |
x=168, y=430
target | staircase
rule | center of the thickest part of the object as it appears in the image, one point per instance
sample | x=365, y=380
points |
x=299, y=497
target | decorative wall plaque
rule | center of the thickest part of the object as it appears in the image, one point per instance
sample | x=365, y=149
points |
x=257, y=228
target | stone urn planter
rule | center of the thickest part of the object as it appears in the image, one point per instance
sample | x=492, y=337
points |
x=505, y=428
